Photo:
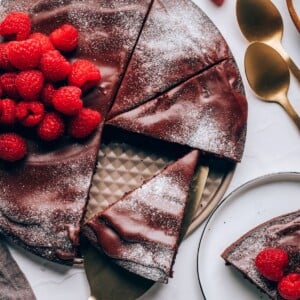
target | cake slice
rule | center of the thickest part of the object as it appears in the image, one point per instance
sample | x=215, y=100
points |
x=108, y=32
x=282, y=232
x=207, y=112
x=43, y=198
x=140, y=232
x=178, y=41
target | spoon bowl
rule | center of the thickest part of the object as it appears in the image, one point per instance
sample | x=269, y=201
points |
x=267, y=72
x=269, y=77
x=260, y=21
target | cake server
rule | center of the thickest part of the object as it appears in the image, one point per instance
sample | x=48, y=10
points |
x=269, y=77
x=260, y=21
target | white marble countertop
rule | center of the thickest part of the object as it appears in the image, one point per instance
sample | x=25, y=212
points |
x=273, y=145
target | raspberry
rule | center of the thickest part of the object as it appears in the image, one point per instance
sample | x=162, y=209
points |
x=30, y=84
x=47, y=94
x=67, y=100
x=271, y=262
x=8, y=84
x=52, y=127
x=218, y=2
x=7, y=112
x=24, y=55
x=289, y=287
x=84, y=74
x=30, y=114
x=82, y=125
x=16, y=25
x=12, y=147
x=54, y=66
x=5, y=64
x=65, y=38
x=44, y=41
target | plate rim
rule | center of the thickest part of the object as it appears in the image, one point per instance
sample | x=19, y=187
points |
x=248, y=184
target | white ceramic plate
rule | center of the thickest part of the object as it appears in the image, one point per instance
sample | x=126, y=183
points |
x=248, y=206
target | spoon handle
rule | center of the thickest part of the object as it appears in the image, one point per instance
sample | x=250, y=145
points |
x=292, y=66
x=294, y=69
x=291, y=112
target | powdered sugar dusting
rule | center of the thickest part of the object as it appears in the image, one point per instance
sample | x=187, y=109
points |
x=208, y=133
x=151, y=262
x=122, y=168
x=143, y=228
x=197, y=128
x=152, y=213
x=43, y=210
x=204, y=112
x=174, y=30
x=242, y=253
x=177, y=41
x=151, y=273
x=45, y=213
x=150, y=256
x=287, y=234
x=162, y=190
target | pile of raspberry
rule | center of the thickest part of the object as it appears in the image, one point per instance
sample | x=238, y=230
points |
x=271, y=264
x=41, y=90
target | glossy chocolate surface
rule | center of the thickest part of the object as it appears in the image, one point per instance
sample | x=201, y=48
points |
x=177, y=41
x=42, y=200
x=207, y=112
x=141, y=230
x=282, y=232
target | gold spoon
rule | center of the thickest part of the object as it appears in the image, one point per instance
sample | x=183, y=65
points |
x=269, y=77
x=260, y=20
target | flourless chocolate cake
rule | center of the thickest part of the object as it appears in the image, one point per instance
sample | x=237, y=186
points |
x=140, y=232
x=42, y=199
x=282, y=232
x=146, y=50
x=207, y=112
x=177, y=42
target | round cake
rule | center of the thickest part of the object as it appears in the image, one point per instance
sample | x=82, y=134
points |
x=167, y=73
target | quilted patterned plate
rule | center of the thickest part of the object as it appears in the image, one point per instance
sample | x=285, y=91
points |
x=124, y=166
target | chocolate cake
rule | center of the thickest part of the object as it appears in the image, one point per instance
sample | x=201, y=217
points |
x=42, y=199
x=134, y=43
x=207, y=112
x=140, y=232
x=281, y=232
x=177, y=42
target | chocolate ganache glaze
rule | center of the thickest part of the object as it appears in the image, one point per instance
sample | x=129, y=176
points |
x=207, y=112
x=43, y=198
x=281, y=232
x=144, y=48
x=140, y=232
x=177, y=42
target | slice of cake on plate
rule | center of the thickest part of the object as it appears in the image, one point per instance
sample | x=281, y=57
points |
x=141, y=231
x=267, y=244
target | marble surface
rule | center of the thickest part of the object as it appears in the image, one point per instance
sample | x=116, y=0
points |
x=273, y=145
